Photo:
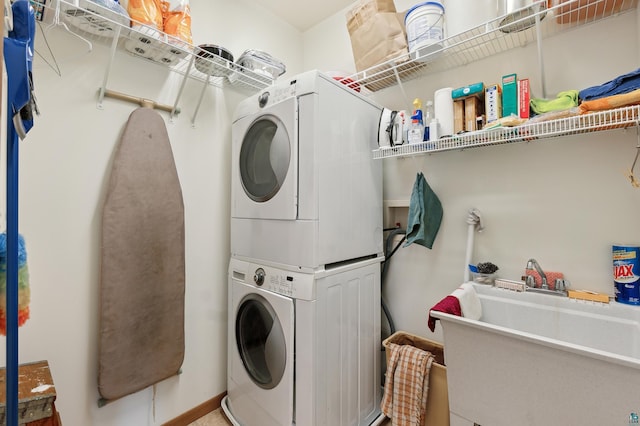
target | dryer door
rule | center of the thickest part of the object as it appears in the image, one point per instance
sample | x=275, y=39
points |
x=264, y=163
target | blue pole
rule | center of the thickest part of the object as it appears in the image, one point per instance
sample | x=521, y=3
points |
x=12, y=275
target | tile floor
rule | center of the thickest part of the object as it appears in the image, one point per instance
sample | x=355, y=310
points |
x=214, y=418
x=217, y=418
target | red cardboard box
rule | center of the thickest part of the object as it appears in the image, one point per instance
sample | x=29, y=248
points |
x=524, y=96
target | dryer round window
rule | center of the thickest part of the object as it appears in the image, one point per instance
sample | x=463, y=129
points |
x=261, y=342
x=264, y=158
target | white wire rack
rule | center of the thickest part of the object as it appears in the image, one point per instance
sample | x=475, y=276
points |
x=92, y=22
x=618, y=118
x=549, y=17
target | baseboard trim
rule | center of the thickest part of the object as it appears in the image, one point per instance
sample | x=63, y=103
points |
x=195, y=413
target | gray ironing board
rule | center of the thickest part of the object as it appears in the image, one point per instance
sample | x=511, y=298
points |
x=142, y=282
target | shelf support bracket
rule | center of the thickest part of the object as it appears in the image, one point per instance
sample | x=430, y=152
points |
x=204, y=88
x=114, y=45
x=184, y=82
x=399, y=80
x=540, y=56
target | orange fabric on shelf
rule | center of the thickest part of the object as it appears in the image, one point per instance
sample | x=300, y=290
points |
x=176, y=17
x=610, y=102
x=146, y=12
x=178, y=24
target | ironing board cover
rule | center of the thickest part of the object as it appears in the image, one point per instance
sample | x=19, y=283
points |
x=143, y=270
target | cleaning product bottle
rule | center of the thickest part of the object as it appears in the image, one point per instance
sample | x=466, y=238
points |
x=416, y=129
x=428, y=116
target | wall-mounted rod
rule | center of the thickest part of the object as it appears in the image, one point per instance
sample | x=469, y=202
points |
x=143, y=102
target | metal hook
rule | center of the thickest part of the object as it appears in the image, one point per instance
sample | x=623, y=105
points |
x=634, y=182
x=58, y=22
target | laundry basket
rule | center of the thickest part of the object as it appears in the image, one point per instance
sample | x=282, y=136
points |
x=437, y=412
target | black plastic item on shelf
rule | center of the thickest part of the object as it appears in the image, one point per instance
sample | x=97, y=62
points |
x=214, y=60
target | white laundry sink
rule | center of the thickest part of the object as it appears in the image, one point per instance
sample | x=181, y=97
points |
x=536, y=359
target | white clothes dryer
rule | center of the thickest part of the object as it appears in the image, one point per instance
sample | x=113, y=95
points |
x=305, y=189
x=304, y=348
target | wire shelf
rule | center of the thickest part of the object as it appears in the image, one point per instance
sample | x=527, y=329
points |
x=549, y=17
x=93, y=22
x=618, y=118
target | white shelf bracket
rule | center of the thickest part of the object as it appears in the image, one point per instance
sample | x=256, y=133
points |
x=204, y=88
x=114, y=45
x=184, y=82
x=400, y=85
x=540, y=56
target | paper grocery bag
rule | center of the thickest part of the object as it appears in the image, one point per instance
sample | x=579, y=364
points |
x=377, y=33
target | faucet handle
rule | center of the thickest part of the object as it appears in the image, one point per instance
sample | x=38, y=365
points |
x=562, y=284
x=530, y=281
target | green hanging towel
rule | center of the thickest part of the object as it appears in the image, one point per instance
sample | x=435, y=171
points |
x=425, y=214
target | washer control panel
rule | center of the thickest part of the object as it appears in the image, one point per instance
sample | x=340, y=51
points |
x=281, y=284
x=292, y=284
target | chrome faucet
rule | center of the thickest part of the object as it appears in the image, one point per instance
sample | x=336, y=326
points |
x=531, y=264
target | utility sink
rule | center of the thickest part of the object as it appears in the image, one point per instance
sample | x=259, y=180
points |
x=538, y=359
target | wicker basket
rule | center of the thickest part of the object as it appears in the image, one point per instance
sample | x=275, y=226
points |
x=437, y=413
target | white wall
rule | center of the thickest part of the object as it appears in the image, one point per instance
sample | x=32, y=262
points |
x=563, y=201
x=65, y=163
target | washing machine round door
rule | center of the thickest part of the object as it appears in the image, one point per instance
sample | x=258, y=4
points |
x=261, y=341
x=264, y=158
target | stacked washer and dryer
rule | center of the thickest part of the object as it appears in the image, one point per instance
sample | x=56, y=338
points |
x=306, y=246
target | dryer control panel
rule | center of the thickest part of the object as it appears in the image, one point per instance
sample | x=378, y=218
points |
x=276, y=94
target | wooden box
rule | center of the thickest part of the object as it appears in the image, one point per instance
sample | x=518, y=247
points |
x=36, y=393
x=458, y=116
x=472, y=110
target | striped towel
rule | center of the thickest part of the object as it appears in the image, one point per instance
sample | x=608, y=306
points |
x=407, y=385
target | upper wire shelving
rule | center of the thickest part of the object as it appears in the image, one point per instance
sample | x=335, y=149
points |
x=541, y=20
x=92, y=22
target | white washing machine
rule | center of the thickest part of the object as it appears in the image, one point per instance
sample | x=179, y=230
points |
x=304, y=348
x=305, y=189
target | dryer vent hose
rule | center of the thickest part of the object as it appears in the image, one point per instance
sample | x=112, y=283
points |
x=388, y=252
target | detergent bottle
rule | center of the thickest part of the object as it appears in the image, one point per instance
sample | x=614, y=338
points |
x=428, y=117
x=416, y=128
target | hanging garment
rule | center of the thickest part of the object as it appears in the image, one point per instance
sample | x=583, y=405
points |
x=18, y=49
x=24, y=30
x=18, y=55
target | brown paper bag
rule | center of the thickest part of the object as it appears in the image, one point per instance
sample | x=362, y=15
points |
x=377, y=33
